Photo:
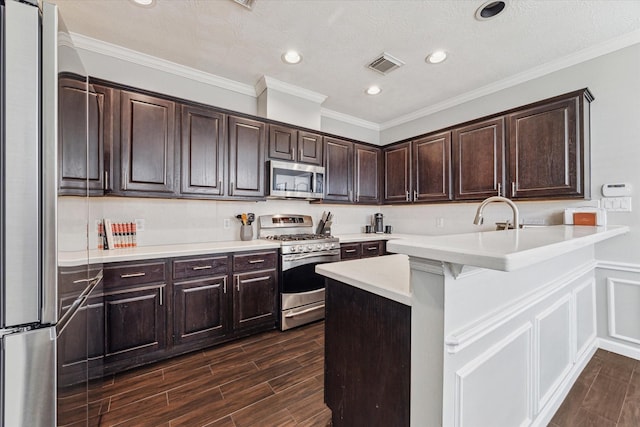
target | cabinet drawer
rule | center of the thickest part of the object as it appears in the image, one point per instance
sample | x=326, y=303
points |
x=371, y=249
x=121, y=275
x=255, y=261
x=72, y=281
x=198, y=267
x=350, y=251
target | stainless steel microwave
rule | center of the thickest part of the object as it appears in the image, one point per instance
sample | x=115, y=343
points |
x=295, y=180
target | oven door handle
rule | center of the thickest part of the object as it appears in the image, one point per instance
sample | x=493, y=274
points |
x=308, y=310
x=311, y=255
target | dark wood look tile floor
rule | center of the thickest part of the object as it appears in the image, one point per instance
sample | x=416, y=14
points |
x=272, y=379
x=606, y=394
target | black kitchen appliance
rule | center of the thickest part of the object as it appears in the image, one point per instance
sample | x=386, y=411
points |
x=378, y=223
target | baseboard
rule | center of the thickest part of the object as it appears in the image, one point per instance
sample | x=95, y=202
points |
x=544, y=416
x=619, y=348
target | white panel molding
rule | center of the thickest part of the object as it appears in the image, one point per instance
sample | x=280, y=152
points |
x=619, y=266
x=611, y=306
x=474, y=331
x=533, y=73
x=476, y=363
x=541, y=400
x=129, y=55
x=591, y=284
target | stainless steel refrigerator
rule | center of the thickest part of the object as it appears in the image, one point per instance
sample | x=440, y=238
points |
x=31, y=320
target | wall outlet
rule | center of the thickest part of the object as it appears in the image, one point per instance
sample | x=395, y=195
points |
x=226, y=223
x=140, y=223
x=617, y=204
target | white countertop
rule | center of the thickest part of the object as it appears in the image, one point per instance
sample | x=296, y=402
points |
x=71, y=259
x=387, y=276
x=504, y=250
x=369, y=237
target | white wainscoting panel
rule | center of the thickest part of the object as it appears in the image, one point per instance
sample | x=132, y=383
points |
x=493, y=388
x=554, y=351
x=585, y=316
x=623, y=297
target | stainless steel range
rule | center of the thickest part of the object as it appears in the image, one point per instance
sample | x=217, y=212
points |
x=301, y=290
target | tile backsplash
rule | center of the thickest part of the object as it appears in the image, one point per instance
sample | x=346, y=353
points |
x=175, y=221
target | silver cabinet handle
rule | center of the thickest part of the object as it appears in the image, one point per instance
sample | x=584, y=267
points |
x=255, y=279
x=255, y=261
x=408, y=196
x=231, y=189
x=372, y=248
x=127, y=276
x=350, y=251
x=202, y=267
x=224, y=284
x=415, y=195
x=499, y=189
x=106, y=180
x=300, y=158
x=308, y=310
x=238, y=283
x=513, y=188
x=161, y=296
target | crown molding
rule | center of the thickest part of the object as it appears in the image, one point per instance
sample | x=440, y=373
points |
x=356, y=121
x=87, y=43
x=604, y=48
x=267, y=82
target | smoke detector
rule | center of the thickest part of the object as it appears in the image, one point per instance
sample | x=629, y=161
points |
x=385, y=63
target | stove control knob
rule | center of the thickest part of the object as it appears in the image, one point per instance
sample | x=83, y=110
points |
x=293, y=248
x=319, y=247
x=299, y=248
x=328, y=245
x=309, y=247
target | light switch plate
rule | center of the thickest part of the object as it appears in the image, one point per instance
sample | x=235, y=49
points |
x=140, y=223
x=617, y=204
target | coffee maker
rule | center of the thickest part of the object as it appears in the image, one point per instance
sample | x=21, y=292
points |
x=378, y=223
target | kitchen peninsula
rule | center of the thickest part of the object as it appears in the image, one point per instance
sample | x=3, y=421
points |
x=494, y=318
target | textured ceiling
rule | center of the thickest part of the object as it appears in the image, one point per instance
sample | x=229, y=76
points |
x=339, y=38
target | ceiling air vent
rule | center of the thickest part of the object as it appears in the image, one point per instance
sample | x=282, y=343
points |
x=385, y=63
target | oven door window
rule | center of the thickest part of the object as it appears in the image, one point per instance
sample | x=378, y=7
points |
x=302, y=279
x=292, y=180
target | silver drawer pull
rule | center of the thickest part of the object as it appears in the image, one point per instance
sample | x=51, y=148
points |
x=127, y=276
x=372, y=248
x=255, y=261
x=308, y=310
x=255, y=279
x=87, y=280
x=202, y=267
x=349, y=251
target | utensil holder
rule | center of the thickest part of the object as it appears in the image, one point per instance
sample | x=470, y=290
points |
x=246, y=232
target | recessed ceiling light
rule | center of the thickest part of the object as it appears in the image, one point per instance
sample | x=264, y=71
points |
x=147, y=3
x=291, y=57
x=490, y=9
x=436, y=57
x=373, y=90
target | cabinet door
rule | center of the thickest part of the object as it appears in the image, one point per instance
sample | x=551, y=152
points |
x=282, y=143
x=200, y=309
x=367, y=174
x=254, y=299
x=147, y=137
x=202, y=147
x=372, y=249
x=82, y=139
x=310, y=148
x=478, y=153
x=135, y=322
x=338, y=170
x=350, y=251
x=544, y=151
x=397, y=173
x=246, y=157
x=431, y=166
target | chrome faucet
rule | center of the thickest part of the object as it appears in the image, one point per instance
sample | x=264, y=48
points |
x=516, y=216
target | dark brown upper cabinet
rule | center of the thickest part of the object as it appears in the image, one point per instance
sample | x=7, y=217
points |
x=247, y=142
x=549, y=148
x=397, y=173
x=478, y=160
x=338, y=170
x=202, y=147
x=367, y=168
x=82, y=139
x=147, y=136
x=432, y=168
x=286, y=143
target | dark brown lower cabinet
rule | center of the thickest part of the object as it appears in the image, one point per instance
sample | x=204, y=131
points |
x=254, y=299
x=359, y=250
x=367, y=358
x=200, y=310
x=136, y=322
